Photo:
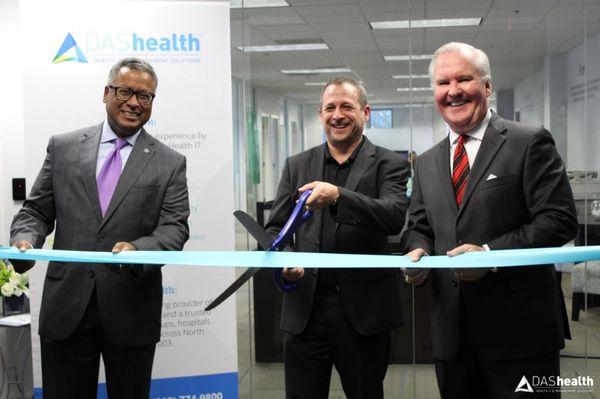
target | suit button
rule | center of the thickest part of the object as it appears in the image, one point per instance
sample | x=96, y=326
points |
x=100, y=238
x=454, y=282
x=460, y=242
x=91, y=274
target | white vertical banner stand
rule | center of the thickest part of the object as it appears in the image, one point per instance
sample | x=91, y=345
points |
x=69, y=49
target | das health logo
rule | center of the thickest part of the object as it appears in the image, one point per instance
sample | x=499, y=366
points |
x=69, y=51
x=109, y=47
x=524, y=386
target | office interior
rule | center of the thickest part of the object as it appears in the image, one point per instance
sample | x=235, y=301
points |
x=545, y=59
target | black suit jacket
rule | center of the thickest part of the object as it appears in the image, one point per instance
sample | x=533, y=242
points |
x=371, y=207
x=517, y=311
x=149, y=209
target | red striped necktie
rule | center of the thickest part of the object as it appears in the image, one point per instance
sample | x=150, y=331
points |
x=460, y=169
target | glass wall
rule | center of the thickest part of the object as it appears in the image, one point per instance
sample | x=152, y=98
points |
x=545, y=58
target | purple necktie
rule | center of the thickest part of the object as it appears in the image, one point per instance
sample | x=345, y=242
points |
x=109, y=174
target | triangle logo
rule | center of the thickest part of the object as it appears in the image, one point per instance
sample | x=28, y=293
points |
x=524, y=386
x=69, y=51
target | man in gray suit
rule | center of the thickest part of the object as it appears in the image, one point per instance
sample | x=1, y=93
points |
x=490, y=184
x=337, y=316
x=109, y=187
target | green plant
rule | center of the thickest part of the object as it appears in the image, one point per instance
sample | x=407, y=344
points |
x=11, y=282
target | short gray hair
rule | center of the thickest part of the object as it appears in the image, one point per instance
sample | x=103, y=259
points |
x=340, y=80
x=478, y=58
x=132, y=63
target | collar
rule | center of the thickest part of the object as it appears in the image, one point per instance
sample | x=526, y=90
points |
x=109, y=135
x=329, y=158
x=476, y=133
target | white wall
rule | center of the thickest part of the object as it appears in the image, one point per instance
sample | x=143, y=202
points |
x=313, y=130
x=412, y=129
x=12, y=151
x=529, y=99
x=583, y=105
x=12, y=142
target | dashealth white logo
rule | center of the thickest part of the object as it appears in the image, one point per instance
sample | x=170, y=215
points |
x=555, y=384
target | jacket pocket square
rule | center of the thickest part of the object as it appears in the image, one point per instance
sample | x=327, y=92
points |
x=491, y=177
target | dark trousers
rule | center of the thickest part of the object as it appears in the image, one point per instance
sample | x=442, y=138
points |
x=473, y=375
x=70, y=368
x=329, y=340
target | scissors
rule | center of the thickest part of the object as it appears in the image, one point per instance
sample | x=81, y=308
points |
x=298, y=217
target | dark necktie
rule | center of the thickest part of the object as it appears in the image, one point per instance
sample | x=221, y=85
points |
x=109, y=174
x=460, y=169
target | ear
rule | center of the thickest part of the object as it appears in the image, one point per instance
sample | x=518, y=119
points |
x=367, y=112
x=106, y=92
x=488, y=88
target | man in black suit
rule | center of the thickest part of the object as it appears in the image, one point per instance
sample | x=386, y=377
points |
x=491, y=184
x=336, y=316
x=109, y=187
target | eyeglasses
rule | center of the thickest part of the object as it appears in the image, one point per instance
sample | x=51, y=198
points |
x=125, y=93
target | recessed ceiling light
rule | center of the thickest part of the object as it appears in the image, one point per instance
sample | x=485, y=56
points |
x=257, y=3
x=284, y=47
x=315, y=70
x=410, y=76
x=409, y=57
x=414, y=89
x=315, y=83
x=426, y=23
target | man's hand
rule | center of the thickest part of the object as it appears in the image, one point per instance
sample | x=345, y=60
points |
x=416, y=276
x=292, y=273
x=468, y=274
x=22, y=266
x=23, y=245
x=123, y=246
x=323, y=194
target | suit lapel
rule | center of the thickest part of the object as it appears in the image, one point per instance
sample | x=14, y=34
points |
x=362, y=162
x=88, y=155
x=492, y=141
x=141, y=153
x=443, y=167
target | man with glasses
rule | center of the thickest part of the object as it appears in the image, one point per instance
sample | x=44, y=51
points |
x=109, y=187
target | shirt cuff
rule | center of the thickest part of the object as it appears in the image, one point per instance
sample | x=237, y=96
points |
x=487, y=248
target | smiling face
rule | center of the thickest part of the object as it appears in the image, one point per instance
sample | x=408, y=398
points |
x=127, y=117
x=342, y=116
x=461, y=95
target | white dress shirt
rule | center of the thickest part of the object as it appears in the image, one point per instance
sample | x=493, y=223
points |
x=472, y=144
x=106, y=146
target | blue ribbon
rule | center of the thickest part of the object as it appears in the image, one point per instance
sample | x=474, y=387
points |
x=498, y=258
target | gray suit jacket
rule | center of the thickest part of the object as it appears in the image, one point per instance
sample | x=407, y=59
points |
x=371, y=207
x=149, y=209
x=518, y=311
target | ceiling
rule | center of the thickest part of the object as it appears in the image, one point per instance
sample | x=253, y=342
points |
x=514, y=33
